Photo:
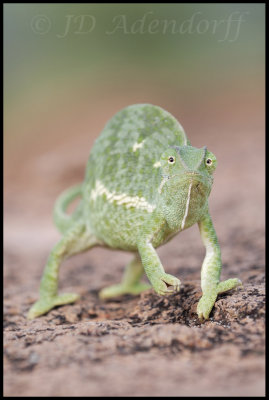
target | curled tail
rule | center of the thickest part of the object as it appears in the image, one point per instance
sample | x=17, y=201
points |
x=62, y=220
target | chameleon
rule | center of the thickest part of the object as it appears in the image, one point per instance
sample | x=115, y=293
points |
x=144, y=183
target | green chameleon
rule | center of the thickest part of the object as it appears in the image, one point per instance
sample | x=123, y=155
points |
x=144, y=184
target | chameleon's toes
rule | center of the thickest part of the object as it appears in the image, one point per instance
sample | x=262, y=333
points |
x=139, y=287
x=208, y=300
x=44, y=305
x=167, y=284
x=40, y=307
x=66, y=298
x=229, y=284
x=205, y=305
x=120, y=289
x=111, y=291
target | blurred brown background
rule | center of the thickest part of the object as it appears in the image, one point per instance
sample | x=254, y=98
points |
x=67, y=70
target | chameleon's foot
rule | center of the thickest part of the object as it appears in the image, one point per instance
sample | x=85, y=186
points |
x=42, y=306
x=207, y=301
x=166, y=284
x=120, y=289
x=206, y=304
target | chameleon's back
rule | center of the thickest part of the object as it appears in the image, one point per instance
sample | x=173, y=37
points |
x=123, y=168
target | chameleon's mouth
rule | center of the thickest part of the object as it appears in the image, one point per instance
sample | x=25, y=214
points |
x=197, y=176
x=192, y=173
x=194, y=178
x=182, y=174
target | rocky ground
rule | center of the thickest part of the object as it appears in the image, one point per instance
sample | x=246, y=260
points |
x=144, y=345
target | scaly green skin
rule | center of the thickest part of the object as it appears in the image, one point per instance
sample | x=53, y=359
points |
x=144, y=184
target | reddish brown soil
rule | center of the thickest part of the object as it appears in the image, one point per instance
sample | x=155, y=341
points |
x=144, y=345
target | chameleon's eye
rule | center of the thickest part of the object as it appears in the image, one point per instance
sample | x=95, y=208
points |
x=171, y=160
x=208, y=161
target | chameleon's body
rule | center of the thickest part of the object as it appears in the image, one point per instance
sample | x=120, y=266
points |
x=144, y=183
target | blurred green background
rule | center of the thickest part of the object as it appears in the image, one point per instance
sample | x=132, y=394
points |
x=70, y=67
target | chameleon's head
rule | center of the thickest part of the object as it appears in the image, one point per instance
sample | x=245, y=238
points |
x=186, y=177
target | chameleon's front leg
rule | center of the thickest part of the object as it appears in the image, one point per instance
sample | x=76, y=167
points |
x=162, y=283
x=211, y=270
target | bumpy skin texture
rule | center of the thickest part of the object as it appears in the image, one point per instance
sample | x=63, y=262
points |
x=144, y=184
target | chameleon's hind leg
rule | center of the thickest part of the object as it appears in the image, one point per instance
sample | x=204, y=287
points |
x=130, y=283
x=76, y=239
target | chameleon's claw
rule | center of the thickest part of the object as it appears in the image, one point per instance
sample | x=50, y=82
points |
x=167, y=284
x=205, y=305
x=208, y=300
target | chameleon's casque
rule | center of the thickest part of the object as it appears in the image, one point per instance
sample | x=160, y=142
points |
x=144, y=183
